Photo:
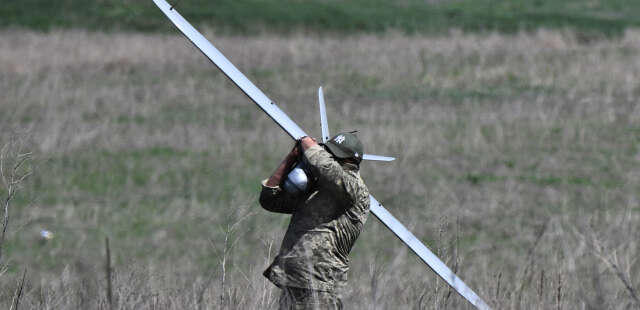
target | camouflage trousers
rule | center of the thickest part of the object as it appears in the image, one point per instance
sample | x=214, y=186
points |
x=293, y=298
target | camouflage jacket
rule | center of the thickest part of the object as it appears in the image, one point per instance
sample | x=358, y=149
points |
x=324, y=225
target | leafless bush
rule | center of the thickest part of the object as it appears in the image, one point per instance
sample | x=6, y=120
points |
x=15, y=168
x=602, y=247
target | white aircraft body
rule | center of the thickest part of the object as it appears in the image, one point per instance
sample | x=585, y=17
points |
x=291, y=128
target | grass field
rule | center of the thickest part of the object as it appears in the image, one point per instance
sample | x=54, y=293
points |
x=590, y=18
x=518, y=162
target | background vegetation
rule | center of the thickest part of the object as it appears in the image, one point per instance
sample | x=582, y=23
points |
x=518, y=160
x=590, y=18
x=518, y=152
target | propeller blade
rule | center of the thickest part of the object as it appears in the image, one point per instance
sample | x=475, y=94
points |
x=323, y=117
x=377, y=157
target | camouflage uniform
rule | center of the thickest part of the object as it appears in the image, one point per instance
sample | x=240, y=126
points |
x=313, y=260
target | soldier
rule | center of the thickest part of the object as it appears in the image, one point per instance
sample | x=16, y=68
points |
x=311, y=267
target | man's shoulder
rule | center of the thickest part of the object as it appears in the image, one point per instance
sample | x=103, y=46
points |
x=356, y=186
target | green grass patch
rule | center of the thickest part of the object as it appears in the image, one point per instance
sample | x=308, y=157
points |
x=127, y=175
x=145, y=196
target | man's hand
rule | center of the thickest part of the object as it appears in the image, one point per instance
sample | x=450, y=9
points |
x=307, y=142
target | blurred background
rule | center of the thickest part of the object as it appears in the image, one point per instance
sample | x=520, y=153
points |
x=516, y=125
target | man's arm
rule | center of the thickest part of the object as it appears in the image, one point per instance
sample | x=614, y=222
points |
x=272, y=197
x=283, y=168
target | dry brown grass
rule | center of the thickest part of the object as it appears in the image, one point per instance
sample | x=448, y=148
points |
x=518, y=158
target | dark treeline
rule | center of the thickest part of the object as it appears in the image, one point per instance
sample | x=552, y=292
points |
x=599, y=18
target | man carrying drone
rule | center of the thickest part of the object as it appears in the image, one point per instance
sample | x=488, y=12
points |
x=328, y=213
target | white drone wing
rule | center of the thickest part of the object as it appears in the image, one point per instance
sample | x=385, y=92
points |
x=220, y=61
x=325, y=129
x=296, y=132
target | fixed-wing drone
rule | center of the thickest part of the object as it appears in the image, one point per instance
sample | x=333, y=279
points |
x=297, y=180
x=291, y=128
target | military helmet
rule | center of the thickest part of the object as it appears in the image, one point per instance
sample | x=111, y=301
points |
x=346, y=145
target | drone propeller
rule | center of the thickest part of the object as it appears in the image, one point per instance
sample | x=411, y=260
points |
x=325, y=130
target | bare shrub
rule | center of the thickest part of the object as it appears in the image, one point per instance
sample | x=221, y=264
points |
x=15, y=168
